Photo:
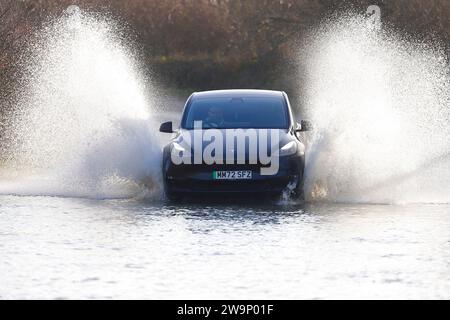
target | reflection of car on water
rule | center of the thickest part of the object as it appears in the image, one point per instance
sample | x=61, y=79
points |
x=235, y=142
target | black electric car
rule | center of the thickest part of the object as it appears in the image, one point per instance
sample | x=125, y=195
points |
x=235, y=142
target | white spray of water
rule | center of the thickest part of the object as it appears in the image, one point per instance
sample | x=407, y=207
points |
x=381, y=107
x=83, y=125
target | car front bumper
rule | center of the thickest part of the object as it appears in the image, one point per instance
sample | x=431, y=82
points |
x=198, y=178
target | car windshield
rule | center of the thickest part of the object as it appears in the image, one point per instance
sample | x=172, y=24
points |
x=237, y=112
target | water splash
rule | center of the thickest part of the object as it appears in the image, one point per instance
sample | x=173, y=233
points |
x=381, y=107
x=82, y=125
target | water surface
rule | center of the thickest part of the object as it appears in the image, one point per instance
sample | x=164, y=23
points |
x=76, y=248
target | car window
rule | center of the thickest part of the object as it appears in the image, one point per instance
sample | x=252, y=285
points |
x=237, y=112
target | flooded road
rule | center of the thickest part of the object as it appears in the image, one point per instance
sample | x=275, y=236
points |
x=92, y=249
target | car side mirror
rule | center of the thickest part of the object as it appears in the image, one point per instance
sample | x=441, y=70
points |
x=166, y=127
x=304, y=125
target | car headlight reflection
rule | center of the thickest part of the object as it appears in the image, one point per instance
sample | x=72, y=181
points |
x=288, y=149
x=176, y=147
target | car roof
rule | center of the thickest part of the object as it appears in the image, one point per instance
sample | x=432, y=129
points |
x=238, y=93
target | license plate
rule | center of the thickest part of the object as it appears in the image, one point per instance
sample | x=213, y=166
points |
x=232, y=175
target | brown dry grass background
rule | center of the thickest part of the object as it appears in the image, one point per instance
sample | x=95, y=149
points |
x=203, y=44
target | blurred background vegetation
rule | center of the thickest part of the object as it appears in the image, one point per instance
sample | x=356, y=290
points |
x=208, y=44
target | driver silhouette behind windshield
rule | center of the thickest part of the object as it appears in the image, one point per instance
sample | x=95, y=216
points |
x=215, y=118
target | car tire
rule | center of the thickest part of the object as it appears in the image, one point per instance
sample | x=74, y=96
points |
x=300, y=194
x=173, y=196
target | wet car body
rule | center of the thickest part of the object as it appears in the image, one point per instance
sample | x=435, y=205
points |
x=189, y=179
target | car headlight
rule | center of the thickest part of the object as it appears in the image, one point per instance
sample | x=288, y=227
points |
x=288, y=149
x=180, y=154
x=176, y=147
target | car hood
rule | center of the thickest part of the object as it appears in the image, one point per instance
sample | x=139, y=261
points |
x=272, y=136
